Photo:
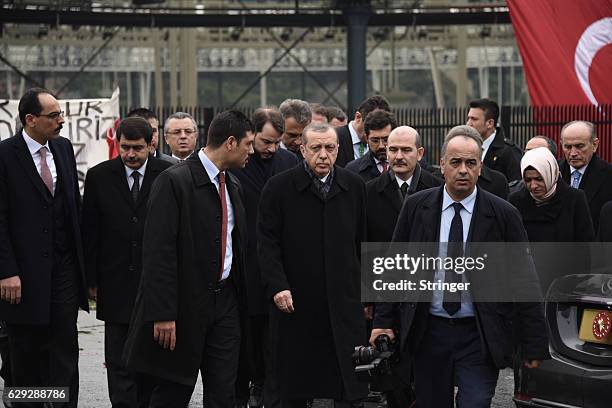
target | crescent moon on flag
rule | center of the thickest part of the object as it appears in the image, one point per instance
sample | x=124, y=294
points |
x=594, y=38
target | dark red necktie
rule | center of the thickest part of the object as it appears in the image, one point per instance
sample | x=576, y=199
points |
x=223, y=220
x=385, y=166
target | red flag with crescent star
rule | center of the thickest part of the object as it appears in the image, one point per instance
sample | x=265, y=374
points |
x=566, y=47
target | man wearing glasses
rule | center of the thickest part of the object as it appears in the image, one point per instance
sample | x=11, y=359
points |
x=42, y=281
x=181, y=134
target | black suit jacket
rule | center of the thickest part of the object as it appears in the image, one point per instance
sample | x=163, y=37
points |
x=493, y=220
x=181, y=255
x=501, y=157
x=596, y=184
x=345, y=146
x=253, y=177
x=384, y=202
x=490, y=180
x=365, y=167
x=113, y=226
x=26, y=244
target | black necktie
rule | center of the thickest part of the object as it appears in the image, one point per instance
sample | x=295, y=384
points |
x=136, y=186
x=452, y=300
x=404, y=189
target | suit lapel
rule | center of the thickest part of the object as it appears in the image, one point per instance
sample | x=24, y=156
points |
x=390, y=191
x=150, y=173
x=26, y=161
x=430, y=216
x=120, y=180
x=482, y=219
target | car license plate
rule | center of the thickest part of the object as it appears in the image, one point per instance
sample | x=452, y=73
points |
x=596, y=326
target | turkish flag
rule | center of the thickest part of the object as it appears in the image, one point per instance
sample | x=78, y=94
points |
x=566, y=46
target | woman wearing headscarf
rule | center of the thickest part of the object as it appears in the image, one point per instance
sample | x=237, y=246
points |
x=552, y=211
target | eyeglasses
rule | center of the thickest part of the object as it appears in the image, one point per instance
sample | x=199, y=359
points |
x=177, y=132
x=53, y=115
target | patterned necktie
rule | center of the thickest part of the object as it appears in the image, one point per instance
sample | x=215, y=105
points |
x=223, y=220
x=576, y=176
x=404, y=189
x=452, y=300
x=45, y=172
x=362, y=149
x=136, y=186
x=385, y=166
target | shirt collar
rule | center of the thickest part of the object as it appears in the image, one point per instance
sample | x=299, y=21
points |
x=354, y=136
x=580, y=170
x=400, y=181
x=488, y=141
x=33, y=145
x=468, y=202
x=141, y=170
x=209, y=166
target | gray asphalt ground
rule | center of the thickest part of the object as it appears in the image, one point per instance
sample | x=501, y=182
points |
x=94, y=391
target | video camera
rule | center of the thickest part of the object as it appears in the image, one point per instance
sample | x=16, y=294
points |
x=374, y=364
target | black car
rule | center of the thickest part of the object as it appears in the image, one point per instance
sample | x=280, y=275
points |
x=579, y=323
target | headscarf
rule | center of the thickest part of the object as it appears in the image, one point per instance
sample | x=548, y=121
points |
x=545, y=163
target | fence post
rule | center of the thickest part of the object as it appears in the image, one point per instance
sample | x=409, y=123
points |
x=504, y=119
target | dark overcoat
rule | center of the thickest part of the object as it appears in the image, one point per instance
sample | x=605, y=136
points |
x=252, y=178
x=365, y=167
x=311, y=246
x=345, y=146
x=501, y=156
x=493, y=220
x=384, y=201
x=112, y=227
x=181, y=258
x=564, y=219
x=605, y=223
x=596, y=184
x=26, y=241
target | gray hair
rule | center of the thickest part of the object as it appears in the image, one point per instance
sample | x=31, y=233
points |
x=296, y=109
x=179, y=115
x=317, y=128
x=465, y=131
x=589, y=125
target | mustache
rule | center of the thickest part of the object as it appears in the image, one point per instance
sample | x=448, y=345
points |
x=60, y=127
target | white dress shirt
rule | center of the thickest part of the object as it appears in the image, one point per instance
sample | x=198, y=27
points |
x=400, y=181
x=213, y=172
x=130, y=179
x=486, y=144
x=356, y=140
x=34, y=148
x=448, y=212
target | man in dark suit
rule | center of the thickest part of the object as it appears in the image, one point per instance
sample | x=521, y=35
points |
x=581, y=168
x=498, y=153
x=452, y=340
x=188, y=310
x=149, y=116
x=42, y=279
x=378, y=124
x=605, y=223
x=267, y=160
x=352, y=138
x=114, y=213
x=309, y=229
x=296, y=116
x=386, y=194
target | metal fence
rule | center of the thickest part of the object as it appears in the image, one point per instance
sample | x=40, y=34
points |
x=518, y=123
